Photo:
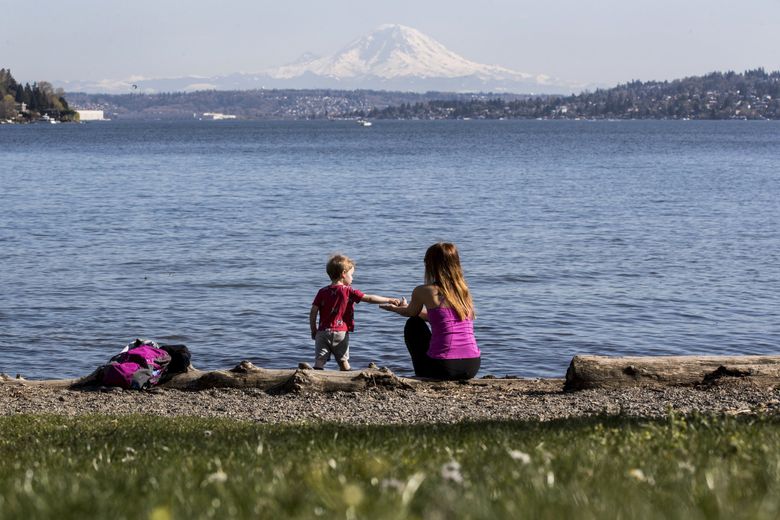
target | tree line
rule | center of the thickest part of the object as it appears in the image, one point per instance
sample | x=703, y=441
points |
x=255, y=104
x=29, y=102
x=753, y=94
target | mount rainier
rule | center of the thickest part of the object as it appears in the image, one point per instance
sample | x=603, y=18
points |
x=392, y=57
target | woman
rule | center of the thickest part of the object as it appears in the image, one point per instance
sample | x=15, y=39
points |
x=448, y=350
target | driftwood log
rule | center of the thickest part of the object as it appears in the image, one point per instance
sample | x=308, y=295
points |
x=585, y=372
x=620, y=372
x=246, y=375
x=280, y=381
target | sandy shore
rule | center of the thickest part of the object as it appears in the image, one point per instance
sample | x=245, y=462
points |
x=540, y=399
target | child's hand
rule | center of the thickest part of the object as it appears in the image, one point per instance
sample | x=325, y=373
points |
x=394, y=304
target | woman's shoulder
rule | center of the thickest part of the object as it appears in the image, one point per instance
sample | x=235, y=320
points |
x=429, y=294
x=426, y=289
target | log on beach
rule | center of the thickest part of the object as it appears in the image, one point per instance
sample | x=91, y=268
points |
x=246, y=375
x=280, y=381
x=586, y=372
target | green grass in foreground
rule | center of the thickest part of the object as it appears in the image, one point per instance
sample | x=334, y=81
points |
x=157, y=468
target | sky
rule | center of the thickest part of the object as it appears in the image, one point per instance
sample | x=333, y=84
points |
x=600, y=42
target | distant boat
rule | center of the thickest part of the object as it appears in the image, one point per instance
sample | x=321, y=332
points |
x=47, y=120
x=216, y=116
x=363, y=122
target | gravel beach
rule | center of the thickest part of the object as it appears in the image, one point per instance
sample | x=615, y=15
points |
x=446, y=402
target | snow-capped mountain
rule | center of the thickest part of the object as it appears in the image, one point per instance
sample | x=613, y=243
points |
x=393, y=51
x=392, y=57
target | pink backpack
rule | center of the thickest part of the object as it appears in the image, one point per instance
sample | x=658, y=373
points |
x=139, y=366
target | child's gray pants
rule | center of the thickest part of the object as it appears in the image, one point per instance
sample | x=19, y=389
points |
x=327, y=342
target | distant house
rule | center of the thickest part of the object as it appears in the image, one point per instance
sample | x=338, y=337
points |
x=91, y=115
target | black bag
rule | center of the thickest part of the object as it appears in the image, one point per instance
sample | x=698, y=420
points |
x=180, y=358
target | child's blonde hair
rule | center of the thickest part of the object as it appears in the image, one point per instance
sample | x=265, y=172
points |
x=338, y=265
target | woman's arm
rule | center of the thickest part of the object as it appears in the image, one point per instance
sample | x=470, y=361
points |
x=416, y=307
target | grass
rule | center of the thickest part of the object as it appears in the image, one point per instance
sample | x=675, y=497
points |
x=160, y=468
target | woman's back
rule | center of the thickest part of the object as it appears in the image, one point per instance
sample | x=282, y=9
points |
x=451, y=337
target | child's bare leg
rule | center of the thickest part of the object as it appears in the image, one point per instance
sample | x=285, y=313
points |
x=344, y=365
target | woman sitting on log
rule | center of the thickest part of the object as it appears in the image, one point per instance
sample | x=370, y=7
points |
x=448, y=350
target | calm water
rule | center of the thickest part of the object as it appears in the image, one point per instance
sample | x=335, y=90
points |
x=633, y=238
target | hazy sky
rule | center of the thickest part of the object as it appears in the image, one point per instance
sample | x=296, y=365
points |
x=600, y=41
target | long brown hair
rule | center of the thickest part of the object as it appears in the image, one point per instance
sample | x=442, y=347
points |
x=442, y=269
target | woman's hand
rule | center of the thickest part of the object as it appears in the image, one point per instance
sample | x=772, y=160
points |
x=402, y=304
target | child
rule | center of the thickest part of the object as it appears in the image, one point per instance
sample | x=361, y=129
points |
x=335, y=304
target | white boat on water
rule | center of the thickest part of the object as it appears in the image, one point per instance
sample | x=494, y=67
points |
x=47, y=120
x=363, y=122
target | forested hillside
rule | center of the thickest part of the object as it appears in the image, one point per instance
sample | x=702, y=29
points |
x=258, y=104
x=28, y=102
x=754, y=94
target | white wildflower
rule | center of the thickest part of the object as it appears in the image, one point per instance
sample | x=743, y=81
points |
x=217, y=477
x=451, y=471
x=686, y=466
x=392, y=483
x=411, y=487
x=520, y=456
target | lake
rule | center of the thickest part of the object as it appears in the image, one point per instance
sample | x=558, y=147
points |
x=576, y=237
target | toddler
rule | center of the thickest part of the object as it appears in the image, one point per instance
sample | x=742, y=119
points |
x=335, y=304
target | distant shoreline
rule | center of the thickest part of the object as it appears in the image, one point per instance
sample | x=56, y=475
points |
x=754, y=94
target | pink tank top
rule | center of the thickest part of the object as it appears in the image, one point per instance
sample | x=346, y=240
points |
x=451, y=338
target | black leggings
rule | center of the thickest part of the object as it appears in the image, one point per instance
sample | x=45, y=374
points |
x=417, y=336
